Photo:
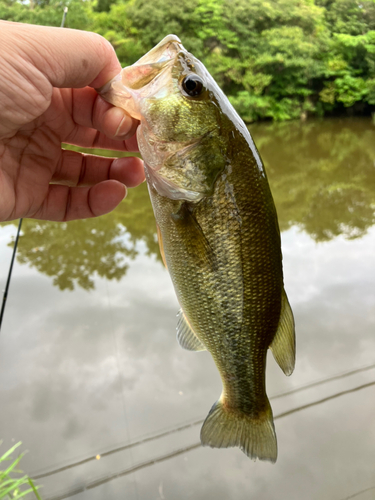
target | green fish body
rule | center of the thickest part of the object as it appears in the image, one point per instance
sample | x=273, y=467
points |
x=218, y=234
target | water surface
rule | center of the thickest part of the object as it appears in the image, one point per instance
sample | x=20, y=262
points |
x=95, y=385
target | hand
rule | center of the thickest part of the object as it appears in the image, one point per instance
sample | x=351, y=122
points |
x=47, y=96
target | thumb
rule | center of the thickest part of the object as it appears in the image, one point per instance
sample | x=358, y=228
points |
x=67, y=58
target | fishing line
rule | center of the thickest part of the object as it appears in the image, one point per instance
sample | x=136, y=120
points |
x=192, y=424
x=186, y=449
x=5, y=296
x=324, y=381
x=135, y=468
x=359, y=493
x=117, y=450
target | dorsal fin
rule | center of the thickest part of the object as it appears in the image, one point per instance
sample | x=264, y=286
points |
x=185, y=335
x=283, y=345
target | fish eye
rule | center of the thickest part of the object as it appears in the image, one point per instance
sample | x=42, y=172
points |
x=192, y=85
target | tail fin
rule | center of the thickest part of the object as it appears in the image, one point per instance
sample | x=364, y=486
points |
x=256, y=437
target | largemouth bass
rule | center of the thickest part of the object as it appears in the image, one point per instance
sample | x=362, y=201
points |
x=218, y=235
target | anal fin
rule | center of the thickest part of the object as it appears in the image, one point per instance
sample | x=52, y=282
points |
x=283, y=345
x=185, y=335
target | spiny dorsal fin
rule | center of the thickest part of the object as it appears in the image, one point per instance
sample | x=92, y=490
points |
x=185, y=335
x=283, y=345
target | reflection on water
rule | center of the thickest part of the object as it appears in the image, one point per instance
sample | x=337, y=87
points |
x=100, y=374
x=322, y=176
x=72, y=252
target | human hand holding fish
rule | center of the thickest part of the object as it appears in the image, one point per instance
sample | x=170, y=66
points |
x=216, y=220
x=47, y=96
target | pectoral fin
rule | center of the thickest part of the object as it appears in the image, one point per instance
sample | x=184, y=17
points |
x=185, y=335
x=191, y=232
x=283, y=345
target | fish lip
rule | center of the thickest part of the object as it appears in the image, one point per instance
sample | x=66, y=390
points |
x=169, y=39
x=158, y=57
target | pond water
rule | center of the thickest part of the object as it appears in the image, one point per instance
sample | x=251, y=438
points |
x=94, y=384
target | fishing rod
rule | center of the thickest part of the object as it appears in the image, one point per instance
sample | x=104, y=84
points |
x=64, y=17
x=5, y=296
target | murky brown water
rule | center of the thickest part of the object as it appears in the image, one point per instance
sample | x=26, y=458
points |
x=95, y=385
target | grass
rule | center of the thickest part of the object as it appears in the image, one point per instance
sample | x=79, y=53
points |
x=11, y=485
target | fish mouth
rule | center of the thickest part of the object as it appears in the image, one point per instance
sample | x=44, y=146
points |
x=165, y=50
x=139, y=81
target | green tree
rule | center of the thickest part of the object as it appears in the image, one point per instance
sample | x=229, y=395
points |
x=280, y=59
x=47, y=12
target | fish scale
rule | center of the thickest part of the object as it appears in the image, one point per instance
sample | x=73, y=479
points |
x=218, y=235
x=240, y=300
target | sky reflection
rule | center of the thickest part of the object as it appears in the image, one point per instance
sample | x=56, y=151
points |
x=89, y=361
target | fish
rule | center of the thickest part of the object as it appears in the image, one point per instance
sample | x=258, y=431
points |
x=218, y=234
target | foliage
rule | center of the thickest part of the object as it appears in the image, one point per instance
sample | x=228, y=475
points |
x=275, y=59
x=47, y=12
x=11, y=486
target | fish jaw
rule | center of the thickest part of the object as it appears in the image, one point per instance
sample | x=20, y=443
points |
x=142, y=79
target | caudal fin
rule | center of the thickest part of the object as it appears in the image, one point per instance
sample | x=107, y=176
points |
x=224, y=428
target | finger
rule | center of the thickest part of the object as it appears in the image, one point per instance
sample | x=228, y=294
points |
x=90, y=110
x=77, y=169
x=94, y=123
x=68, y=58
x=65, y=203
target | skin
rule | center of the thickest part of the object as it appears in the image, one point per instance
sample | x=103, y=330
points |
x=47, y=96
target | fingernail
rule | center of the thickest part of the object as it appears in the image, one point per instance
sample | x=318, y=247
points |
x=125, y=124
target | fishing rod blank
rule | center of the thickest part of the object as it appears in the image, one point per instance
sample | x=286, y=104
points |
x=64, y=17
x=5, y=296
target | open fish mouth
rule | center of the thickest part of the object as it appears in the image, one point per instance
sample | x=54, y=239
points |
x=143, y=78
